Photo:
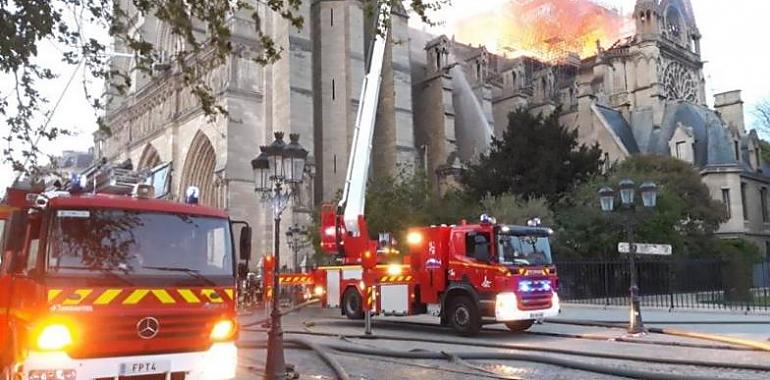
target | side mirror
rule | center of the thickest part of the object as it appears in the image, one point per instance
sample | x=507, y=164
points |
x=15, y=231
x=245, y=243
x=15, y=234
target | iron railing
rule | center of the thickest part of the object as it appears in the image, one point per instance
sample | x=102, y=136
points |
x=668, y=283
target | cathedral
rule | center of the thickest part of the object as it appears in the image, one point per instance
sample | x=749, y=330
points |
x=441, y=101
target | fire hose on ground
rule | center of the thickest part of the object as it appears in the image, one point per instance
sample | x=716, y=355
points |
x=455, y=356
x=550, y=350
x=516, y=356
x=283, y=313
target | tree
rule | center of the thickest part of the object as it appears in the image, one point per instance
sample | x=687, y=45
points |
x=536, y=157
x=686, y=216
x=396, y=203
x=513, y=209
x=762, y=112
x=203, y=27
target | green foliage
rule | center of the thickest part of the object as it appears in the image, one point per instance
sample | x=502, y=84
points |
x=396, y=203
x=537, y=157
x=513, y=209
x=740, y=256
x=686, y=217
x=202, y=29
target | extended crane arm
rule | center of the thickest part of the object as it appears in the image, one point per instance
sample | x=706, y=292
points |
x=354, y=194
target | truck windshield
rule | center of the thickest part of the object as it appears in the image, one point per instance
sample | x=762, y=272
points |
x=135, y=242
x=524, y=250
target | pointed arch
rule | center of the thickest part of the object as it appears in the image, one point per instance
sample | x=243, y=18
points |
x=199, y=170
x=149, y=158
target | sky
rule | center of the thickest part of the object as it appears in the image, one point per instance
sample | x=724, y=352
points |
x=734, y=47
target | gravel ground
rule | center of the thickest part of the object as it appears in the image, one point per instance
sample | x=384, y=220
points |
x=371, y=367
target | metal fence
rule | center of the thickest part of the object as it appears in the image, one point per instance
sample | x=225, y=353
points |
x=699, y=284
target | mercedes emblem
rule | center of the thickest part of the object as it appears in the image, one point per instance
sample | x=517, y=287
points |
x=147, y=328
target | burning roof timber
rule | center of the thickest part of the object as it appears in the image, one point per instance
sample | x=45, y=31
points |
x=548, y=30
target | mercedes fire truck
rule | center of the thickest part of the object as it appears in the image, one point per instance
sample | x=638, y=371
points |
x=101, y=280
x=466, y=274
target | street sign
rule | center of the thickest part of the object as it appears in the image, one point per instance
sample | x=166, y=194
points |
x=647, y=249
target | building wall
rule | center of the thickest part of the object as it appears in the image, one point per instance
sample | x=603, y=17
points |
x=745, y=213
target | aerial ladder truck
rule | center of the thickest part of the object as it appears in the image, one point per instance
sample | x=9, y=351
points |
x=466, y=274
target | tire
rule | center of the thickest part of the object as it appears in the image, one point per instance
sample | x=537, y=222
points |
x=519, y=326
x=352, y=304
x=464, y=316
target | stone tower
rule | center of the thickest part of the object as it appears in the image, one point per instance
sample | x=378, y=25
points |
x=342, y=36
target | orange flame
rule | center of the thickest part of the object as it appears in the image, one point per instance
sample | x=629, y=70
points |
x=545, y=29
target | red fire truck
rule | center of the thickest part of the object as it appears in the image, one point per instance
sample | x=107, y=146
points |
x=104, y=281
x=467, y=274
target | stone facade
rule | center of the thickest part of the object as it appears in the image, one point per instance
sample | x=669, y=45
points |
x=313, y=90
x=645, y=94
x=440, y=103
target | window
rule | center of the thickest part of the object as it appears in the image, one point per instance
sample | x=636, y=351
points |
x=763, y=199
x=744, y=202
x=139, y=243
x=737, y=150
x=758, y=158
x=334, y=90
x=680, y=150
x=331, y=17
x=477, y=246
x=726, y=201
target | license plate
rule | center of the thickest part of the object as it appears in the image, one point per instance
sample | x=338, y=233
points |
x=144, y=368
x=536, y=315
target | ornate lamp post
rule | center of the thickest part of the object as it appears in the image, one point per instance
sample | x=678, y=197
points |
x=649, y=192
x=278, y=172
x=296, y=236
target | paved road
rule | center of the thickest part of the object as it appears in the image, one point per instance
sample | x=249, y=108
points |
x=595, y=340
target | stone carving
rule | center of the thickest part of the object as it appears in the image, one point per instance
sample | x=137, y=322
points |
x=678, y=83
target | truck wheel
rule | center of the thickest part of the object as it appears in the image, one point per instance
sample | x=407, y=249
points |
x=464, y=316
x=519, y=326
x=351, y=304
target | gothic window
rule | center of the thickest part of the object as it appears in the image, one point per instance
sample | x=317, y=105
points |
x=678, y=83
x=726, y=201
x=674, y=24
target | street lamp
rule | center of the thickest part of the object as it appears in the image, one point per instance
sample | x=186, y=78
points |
x=296, y=236
x=649, y=195
x=278, y=172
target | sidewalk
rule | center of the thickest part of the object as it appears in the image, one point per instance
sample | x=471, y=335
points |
x=754, y=326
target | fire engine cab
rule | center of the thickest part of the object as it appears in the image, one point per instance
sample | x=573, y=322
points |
x=466, y=274
x=101, y=280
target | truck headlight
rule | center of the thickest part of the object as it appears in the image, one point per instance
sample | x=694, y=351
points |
x=54, y=337
x=506, y=307
x=223, y=330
